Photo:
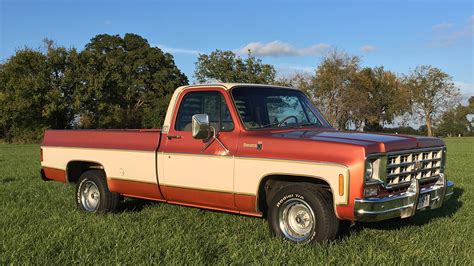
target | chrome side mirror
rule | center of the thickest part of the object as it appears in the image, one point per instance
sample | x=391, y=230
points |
x=201, y=128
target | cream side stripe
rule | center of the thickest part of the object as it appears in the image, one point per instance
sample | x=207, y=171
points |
x=139, y=165
x=242, y=174
x=204, y=172
x=195, y=154
x=249, y=173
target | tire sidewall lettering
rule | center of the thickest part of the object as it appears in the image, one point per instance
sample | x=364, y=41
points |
x=289, y=196
x=79, y=191
x=313, y=234
x=278, y=205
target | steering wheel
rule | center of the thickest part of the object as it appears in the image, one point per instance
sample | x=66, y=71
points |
x=288, y=117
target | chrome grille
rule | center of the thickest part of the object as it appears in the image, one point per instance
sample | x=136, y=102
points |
x=402, y=167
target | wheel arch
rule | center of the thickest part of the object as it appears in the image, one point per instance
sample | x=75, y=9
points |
x=272, y=183
x=76, y=168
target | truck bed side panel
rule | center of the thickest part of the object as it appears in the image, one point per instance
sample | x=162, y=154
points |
x=127, y=156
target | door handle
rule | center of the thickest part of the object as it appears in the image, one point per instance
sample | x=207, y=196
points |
x=174, y=137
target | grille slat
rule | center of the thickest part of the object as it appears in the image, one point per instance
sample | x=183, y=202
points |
x=424, y=165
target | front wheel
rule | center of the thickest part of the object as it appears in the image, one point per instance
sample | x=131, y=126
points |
x=303, y=213
x=93, y=195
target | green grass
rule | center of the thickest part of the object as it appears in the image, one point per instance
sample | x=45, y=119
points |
x=40, y=224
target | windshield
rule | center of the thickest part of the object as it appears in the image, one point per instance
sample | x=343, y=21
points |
x=261, y=107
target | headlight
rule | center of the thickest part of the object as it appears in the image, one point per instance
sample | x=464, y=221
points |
x=369, y=170
x=374, y=175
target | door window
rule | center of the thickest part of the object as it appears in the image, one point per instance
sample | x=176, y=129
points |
x=211, y=103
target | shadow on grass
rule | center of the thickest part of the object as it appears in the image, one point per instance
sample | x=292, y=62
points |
x=447, y=210
x=7, y=180
x=133, y=204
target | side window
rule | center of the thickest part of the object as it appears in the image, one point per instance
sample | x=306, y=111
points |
x=211, y=103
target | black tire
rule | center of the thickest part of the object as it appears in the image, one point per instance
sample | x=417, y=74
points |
x=93, y=195
x=303, y=213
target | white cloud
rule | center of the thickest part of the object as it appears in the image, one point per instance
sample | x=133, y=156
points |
x=448, y=38
x=278, y=48
x=443, y=26
x=368, y=48
x=172, y=50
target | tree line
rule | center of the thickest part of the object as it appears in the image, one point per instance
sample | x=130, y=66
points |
x=359, y=98
x=123, y=82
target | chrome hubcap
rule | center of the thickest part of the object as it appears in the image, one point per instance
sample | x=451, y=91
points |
x=90, y=196
x=296, y=219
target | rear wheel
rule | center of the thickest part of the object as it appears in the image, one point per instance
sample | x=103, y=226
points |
x=303, y=214
x=93, y=195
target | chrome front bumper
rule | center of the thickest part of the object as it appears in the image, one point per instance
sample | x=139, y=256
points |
x=405, y=204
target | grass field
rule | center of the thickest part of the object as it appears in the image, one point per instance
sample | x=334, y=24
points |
x=40, y=225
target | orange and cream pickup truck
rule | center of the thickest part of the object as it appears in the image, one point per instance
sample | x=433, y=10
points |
x=254, y=150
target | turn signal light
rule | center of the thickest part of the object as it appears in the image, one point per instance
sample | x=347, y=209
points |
x=341, y=185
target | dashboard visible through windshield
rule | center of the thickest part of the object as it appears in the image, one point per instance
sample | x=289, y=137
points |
x=266, y=107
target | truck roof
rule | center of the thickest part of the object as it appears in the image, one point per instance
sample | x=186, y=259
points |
x=229, y=86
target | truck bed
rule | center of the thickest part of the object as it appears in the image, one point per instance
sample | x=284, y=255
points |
x=128, y=158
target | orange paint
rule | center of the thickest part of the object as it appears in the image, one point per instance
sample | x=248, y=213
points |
x=213, y=199
x=246, y=203
x=135, y=189
x=55, y=174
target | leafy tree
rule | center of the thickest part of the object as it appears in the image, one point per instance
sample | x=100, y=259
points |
x=383, y=95
x=454, y=122
x=331, y=84
x=226, y=66
x=36, y=90
x=113, y=83
x=63, y=80
x=24, y=84
x=432, y=92
x=471, y=105
x=124, y=83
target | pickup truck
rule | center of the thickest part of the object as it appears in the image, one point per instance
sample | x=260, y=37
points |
x=254, y=150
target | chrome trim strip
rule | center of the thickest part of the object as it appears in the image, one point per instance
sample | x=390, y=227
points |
x=385, y=211
x=416, y=150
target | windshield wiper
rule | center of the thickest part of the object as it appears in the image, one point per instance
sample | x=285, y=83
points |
x=270, y=125
x=305, y=124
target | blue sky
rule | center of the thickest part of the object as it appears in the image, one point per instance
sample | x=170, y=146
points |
x=291, y=35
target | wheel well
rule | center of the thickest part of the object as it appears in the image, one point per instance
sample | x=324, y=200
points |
x=271, y=184
x=75, y=169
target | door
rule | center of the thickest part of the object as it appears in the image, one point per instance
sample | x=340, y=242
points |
x=194, y=174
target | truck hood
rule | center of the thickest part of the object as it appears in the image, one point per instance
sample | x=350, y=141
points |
x=374, y=142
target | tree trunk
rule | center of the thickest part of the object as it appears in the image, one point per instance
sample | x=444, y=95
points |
x=428, y=125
